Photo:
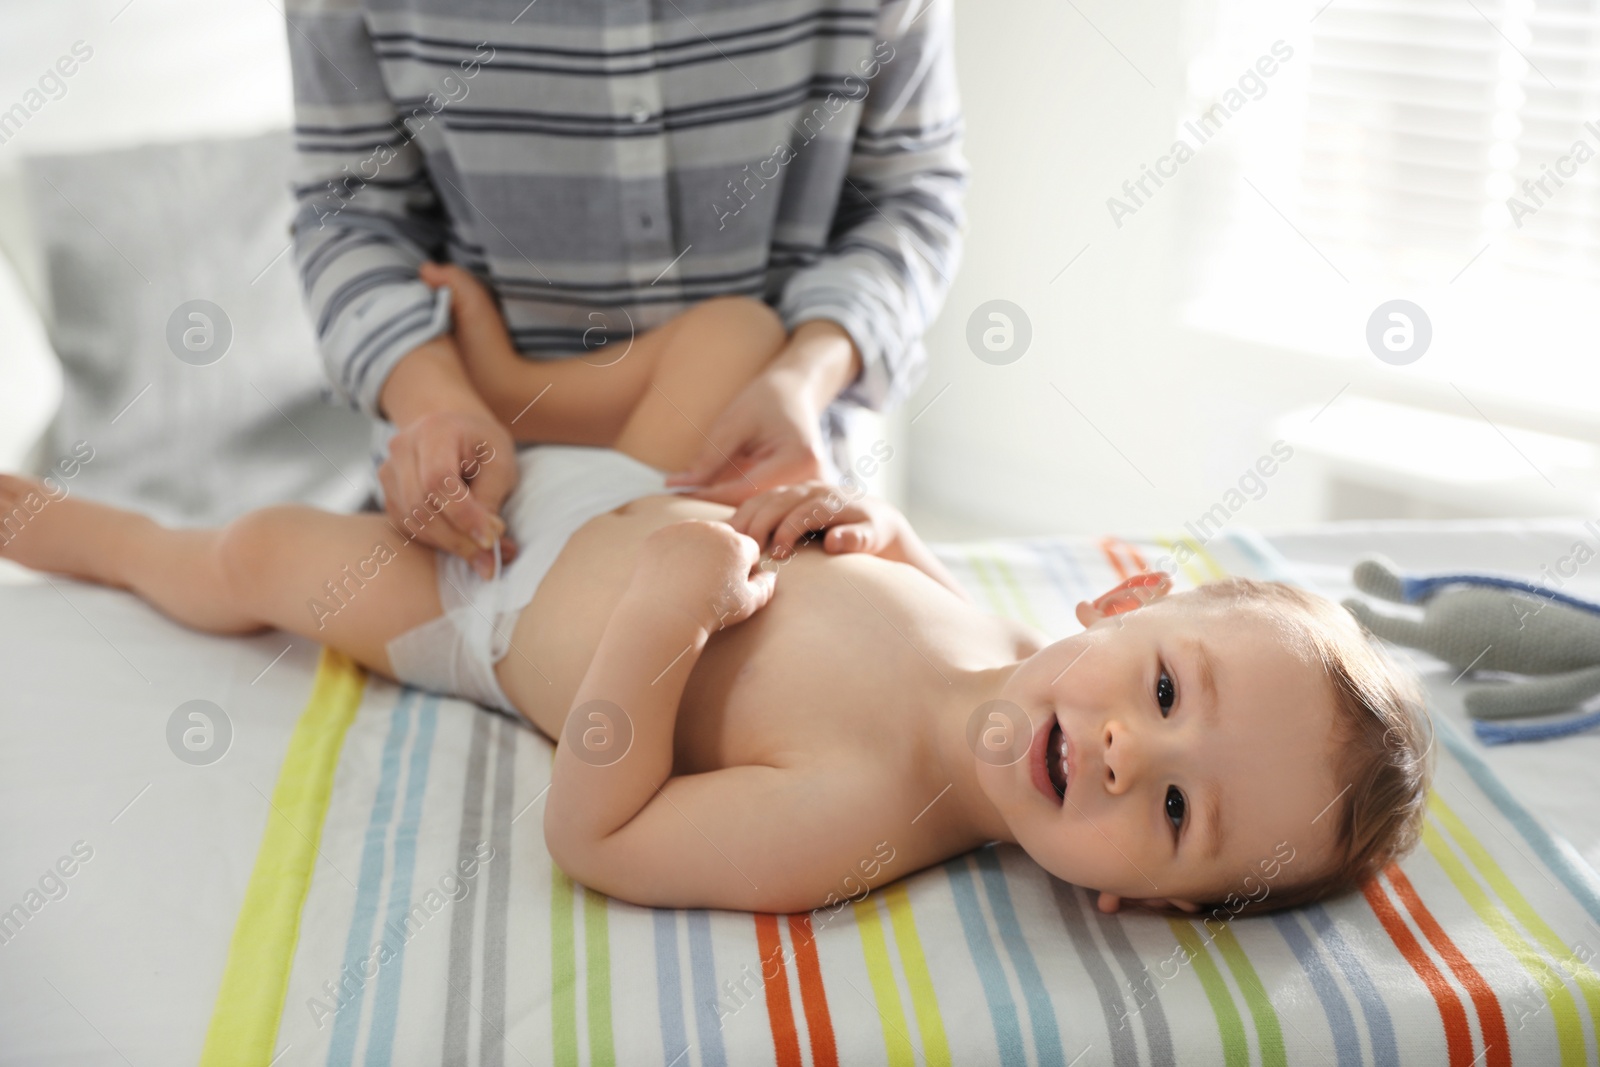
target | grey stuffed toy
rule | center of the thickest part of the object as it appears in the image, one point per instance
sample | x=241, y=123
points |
x=1485, y=622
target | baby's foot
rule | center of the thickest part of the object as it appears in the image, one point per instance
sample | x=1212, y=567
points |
x=44, y=528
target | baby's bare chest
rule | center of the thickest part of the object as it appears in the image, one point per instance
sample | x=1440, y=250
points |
x=844, y=658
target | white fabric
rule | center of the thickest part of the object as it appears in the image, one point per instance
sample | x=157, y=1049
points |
x=125, y=968
x=562, y=487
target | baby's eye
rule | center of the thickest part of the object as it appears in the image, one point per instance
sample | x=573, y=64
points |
x=1175, y=807
x=1166, y=693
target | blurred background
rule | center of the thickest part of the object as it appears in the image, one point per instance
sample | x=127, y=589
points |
x=1313, y=163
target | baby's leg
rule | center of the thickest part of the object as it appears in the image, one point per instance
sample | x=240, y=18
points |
x=705, y=357
x=348, y=581
x=651, y=396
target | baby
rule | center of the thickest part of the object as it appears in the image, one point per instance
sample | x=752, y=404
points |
x=755, y=706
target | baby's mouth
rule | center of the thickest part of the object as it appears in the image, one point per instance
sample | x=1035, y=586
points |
x=1055, y=759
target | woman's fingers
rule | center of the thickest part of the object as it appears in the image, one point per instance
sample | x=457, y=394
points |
x=419, y=501
x=773, y=508
x=729, y=438
x=852, y=537
x=746, y=511
x=779, y=518
x=822, y=508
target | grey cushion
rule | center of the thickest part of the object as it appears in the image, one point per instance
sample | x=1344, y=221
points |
x=127, y=237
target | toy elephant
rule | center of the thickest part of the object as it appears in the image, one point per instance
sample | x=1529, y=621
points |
x=1484, y=622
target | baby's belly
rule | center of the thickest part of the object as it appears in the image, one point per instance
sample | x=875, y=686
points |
x=797, y=674
x=556, y=634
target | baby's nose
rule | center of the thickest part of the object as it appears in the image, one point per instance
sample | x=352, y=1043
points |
x=1122, y=756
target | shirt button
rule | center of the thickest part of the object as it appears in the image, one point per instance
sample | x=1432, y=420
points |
x=639, y=113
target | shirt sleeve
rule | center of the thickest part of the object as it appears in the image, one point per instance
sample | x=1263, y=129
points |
x=896, y=237
x=367, y=213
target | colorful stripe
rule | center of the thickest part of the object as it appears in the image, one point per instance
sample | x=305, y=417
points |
x=775, y=982
x=1556, y=854
x=386, y=998
x=458, y=1010
x=1235, y=1045
x=1457, y=1031
x=1201, y=550
x=1491, y=1023
x=1057, y=551
x=1158, y=1036
x=255, y=979
x=1113, y=1004
x=1380, y=1026
x=991, y=590
x=1110, y=547
x=1346, y=1040
x=563, y=972
x=819, y=1021
x=369, y=883
x=880, y=973
x=1125, y=558
x=703, y=974
x=1050, y=565
x=597, y=957
x=1041, y=1016
x=565, y=895
x=1009, y=580
x=669, y=986
x=497, y=898
x=1186, y=565
x=996, y=991
x=924, y=1001
x=1525, y=913
x=1269, y=1035
x=1563, y=1008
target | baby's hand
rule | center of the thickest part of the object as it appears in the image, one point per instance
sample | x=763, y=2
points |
x=789, y=512
x=480, y=331
x=706, y=570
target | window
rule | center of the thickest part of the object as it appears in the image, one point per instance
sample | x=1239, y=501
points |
x=1442, y=151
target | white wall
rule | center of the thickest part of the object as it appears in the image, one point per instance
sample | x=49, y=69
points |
x=1056, y=121
x=1170, y=416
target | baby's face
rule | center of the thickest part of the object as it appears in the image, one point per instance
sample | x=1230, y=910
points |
x=1199, y=752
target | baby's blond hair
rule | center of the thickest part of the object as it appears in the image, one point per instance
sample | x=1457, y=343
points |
x=1380, y=728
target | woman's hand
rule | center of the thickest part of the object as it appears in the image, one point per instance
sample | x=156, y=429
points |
x=705, y=570
x=864, y=524
x=783, y=515
x=451, y=465
x=769, y=435
x=445, y=480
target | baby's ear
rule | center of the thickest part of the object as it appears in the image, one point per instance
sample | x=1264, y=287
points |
x=1132, y=593
x=1110, y=904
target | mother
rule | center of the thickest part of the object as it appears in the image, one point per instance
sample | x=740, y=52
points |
x=603, y=164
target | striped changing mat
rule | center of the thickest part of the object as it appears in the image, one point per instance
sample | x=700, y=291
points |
x=403, y=910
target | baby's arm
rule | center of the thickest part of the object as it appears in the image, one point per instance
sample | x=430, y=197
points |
x=859, y=524
x=757, y=838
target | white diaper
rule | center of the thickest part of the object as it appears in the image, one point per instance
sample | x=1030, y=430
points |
x=562, y=487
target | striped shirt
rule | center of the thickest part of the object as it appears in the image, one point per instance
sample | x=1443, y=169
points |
x=604, y=165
